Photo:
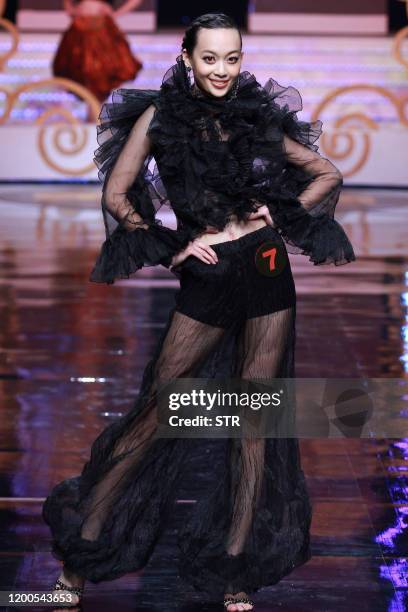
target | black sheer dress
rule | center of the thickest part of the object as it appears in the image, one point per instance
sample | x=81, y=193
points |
x=163, y=148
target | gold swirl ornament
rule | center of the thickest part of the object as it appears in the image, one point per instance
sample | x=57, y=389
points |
x=353, y=125
x=71, y=127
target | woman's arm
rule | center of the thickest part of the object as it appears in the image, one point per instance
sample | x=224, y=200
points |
x=304, y=212
x=325, y=180
x=124, y=172
x=127, y=6
x=137, y=239
x=322, y=193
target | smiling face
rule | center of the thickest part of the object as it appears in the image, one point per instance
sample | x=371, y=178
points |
x=216, y=59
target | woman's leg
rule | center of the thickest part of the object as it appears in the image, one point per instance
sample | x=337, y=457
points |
x=186, y=345
x=106, y=521
x=264, y=348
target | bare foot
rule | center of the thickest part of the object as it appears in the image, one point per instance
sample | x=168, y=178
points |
x=235, y=607
x=70, y=579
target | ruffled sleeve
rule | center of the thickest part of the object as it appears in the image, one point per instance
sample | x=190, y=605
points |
x=130, y=198
x=310, y=185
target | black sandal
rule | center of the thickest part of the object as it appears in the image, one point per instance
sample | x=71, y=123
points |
x=237, y=600
x=61, y=586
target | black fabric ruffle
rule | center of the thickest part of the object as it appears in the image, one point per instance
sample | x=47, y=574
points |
x=124, y=252
x=285, y=511
x=205, y=179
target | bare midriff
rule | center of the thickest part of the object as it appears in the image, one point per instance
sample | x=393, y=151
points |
x=233, y=230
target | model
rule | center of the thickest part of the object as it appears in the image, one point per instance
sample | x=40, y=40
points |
x=240, y=171
x=93, y=51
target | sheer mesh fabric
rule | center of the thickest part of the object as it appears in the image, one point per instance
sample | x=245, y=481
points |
x=127, y=166
x=251, y=528
x=322, y=193
x=161, y=243
x=131, y=197
x=186, y=337
x=207, y=160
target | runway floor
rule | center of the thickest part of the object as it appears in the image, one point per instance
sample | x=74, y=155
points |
x=71, y=358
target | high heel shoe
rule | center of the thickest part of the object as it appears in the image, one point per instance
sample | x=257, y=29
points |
x=61, y=586
x=237, y=600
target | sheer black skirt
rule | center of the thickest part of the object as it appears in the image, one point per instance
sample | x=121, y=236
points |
x=234, y=318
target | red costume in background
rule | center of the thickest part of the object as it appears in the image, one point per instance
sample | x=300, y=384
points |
x=95, y=53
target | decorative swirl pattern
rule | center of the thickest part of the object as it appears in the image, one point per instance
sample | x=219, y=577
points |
x=73, y=128
x=397, y=46
x=348, y=126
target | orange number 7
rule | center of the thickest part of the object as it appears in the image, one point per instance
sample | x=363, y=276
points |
x=271, y=253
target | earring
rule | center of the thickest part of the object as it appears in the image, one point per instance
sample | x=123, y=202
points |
x=188, y=68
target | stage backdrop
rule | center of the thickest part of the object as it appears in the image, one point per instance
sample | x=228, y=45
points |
x=319, y=16
x=290, y=16
x=48, y=16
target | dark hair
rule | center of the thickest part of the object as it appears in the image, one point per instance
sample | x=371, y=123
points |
x=210, y=21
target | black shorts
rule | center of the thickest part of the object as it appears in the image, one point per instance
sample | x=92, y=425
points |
x=252, y=278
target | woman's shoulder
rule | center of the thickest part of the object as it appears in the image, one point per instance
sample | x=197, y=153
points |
x=278, y=108
x=125, y=107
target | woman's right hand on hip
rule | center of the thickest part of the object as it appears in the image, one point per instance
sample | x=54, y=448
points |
x=197, y=248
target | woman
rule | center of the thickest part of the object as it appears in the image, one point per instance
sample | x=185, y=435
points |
x=242, y=175
x=93, y=51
